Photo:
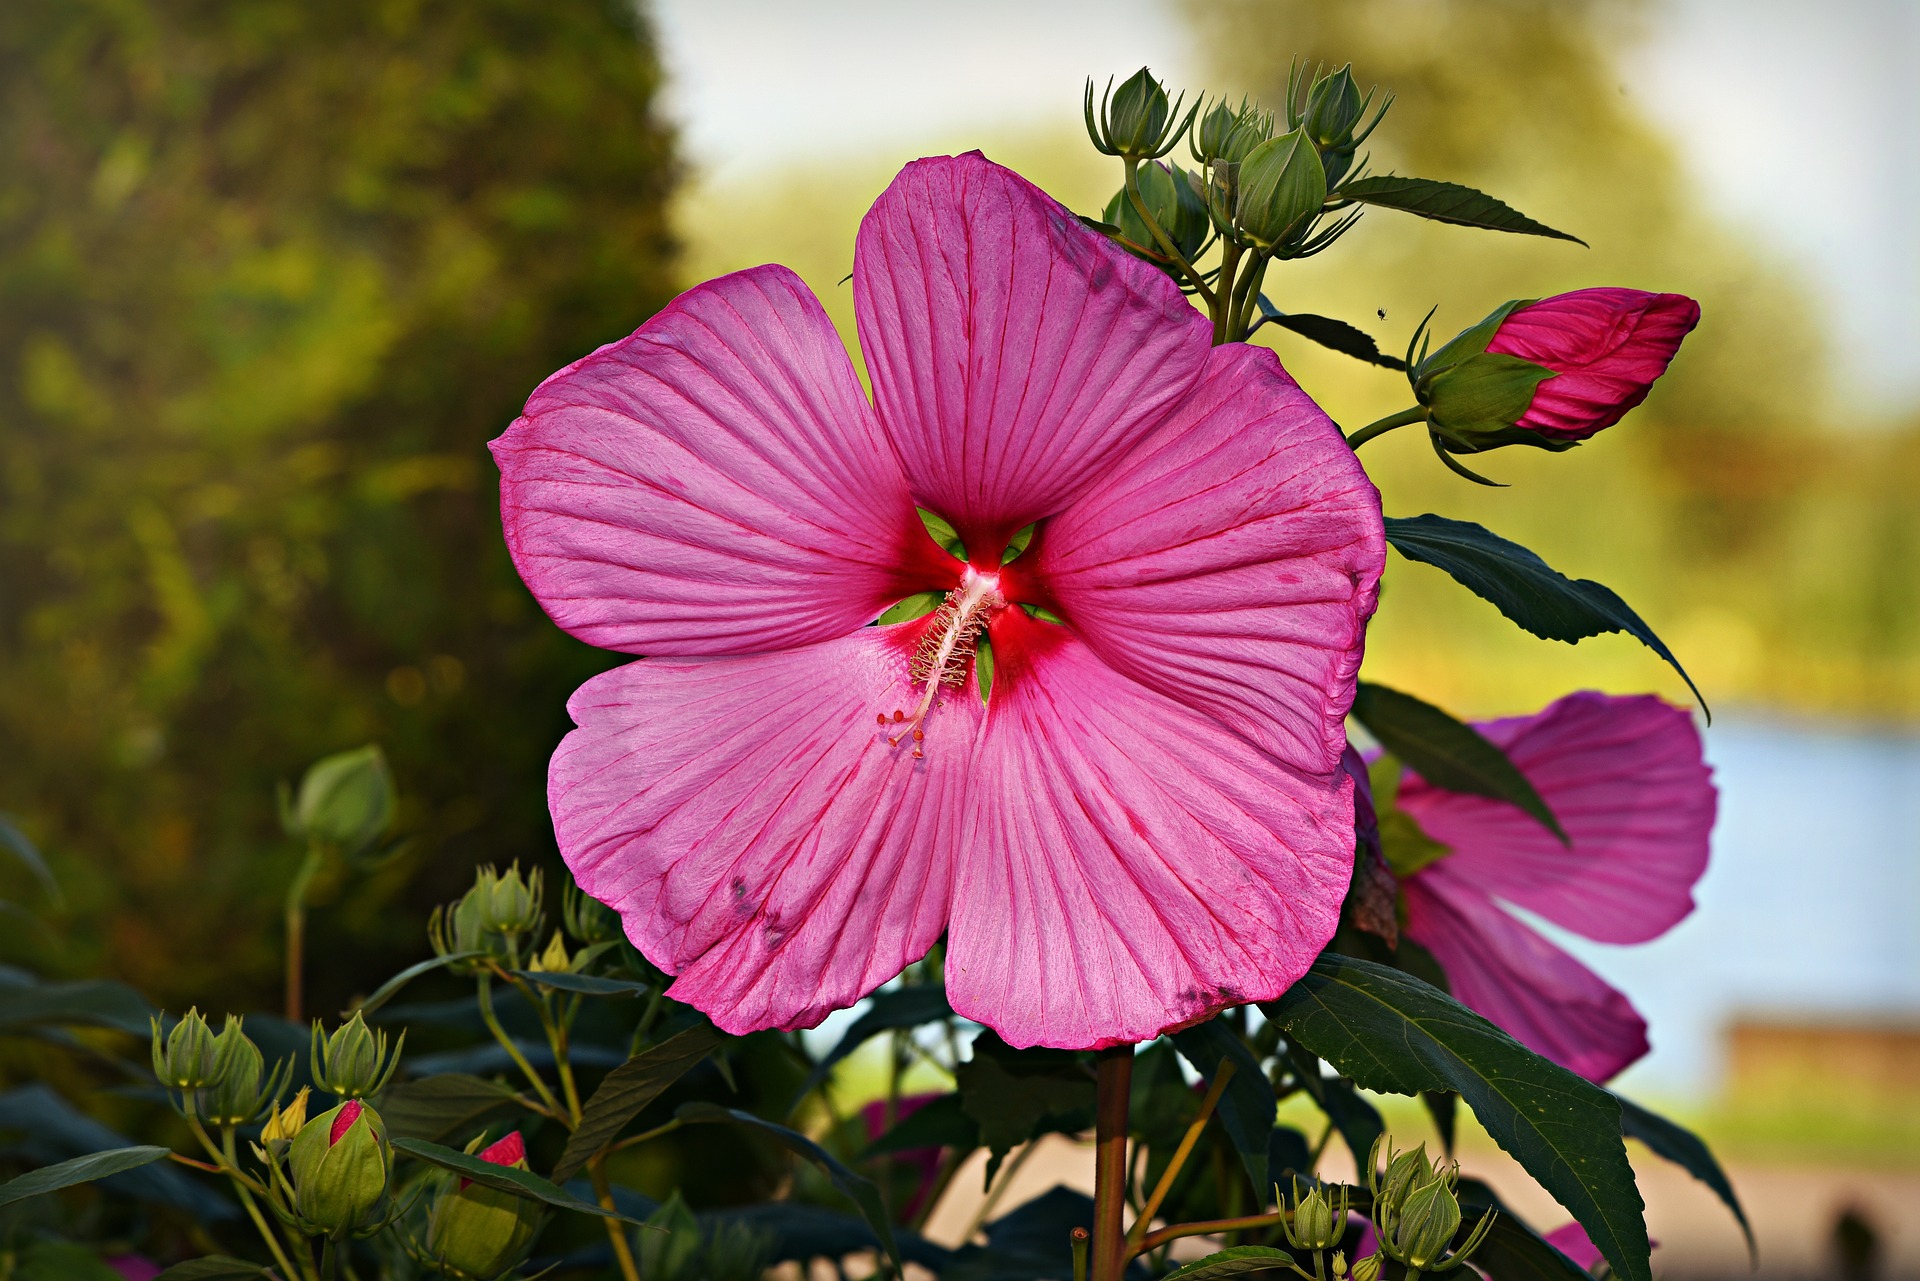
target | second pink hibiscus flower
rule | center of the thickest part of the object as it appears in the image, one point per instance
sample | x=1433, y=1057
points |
x=1144, y=823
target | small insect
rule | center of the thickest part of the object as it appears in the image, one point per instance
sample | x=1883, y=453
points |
x=1380, y=312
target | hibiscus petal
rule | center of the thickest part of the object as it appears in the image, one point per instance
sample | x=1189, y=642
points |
x=1014, y=353
x=1504, y=970
x=1231, y=561
x=715, y=483
x=1626, y=778
x=749, y=821
x=1129, y=866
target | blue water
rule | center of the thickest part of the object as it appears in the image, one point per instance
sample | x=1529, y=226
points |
x=1809, y=908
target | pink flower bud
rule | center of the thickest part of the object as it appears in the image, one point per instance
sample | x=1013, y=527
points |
x=1605, y=346
x=343, y=1120
x=510, y=1150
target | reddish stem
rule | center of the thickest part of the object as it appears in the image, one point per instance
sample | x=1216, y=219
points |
x=1110, y=1163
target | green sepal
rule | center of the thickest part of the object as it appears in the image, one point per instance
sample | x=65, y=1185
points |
x=1486, y=393
x=918, y=605
x=942, y=532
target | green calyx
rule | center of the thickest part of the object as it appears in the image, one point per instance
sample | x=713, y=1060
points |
x=338, y=1181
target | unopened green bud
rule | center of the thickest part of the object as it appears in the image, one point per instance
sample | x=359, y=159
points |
x=1317, y=1223
x=1282, y=187
x=1333, y=108
x=1404, y=1170
x=1254, y=128
x=1137, y=116
x=339, y=1164
x=353, y=1062
x=1175, y=205
x=478, y=1233
x=236, y=1096
x=514, y=904
x=1425, y=1224
x=345, y=800
x=490, y=917
x=586, y=918
x=1367, y=1269
x=185, y=1058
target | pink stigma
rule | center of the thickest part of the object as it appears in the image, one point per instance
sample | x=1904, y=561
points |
x=947, y=647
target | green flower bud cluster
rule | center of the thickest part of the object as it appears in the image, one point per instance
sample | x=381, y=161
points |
x=1135, y=121
x=354, y=1061
x=1282, y=188
x=1416, y=1210
x=221, y=1079
x=345, y=801
x=494, y=918
x=586, y=918
x=1175, y=202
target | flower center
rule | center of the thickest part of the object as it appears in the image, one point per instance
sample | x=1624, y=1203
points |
x=945, y=650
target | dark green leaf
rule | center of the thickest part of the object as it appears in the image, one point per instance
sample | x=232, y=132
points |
x=504, y=1178
x=1234, y=1261
x=438, y=1108
x=216, y=1267
x=1512, y=1251
x=626, y=1090
x=1443, y=1106
x=1446, y=752
x=1328, y=332
x=53, y=1260
x=1247, y=1107
x=391, y=988
x=1521, y=585
x=585, y=984
x=81, y=1169
x=860, y=1191
x=1446, y=202
x=901, y=1007
x=1685, y=1149
x=938, y=1123
x=15, y=842
x=1288, y=1151
x=801, y=1232
x=1016, y=1095
x=88, y=1002
x=1391, y=1032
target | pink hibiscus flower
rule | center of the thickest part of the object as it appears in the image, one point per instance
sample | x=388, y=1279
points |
x=786, y=805
x=1626, y=779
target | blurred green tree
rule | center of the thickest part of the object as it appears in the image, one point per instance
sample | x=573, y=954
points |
x=271, y=274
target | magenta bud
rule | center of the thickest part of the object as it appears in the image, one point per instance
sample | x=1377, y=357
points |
x=479, y=1232
x=1605, y=348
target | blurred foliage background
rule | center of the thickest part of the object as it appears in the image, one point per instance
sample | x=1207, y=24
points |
x=272, y=273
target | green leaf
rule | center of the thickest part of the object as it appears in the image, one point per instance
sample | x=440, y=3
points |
x=439, y=1107
x=918, y=605
x=1328, y=332
x=15, y=842
x=1685, y=1149
x=1446, y=752
x=504, y=1178
x=629, y=1088
x=1358, y=1122
x=80, y=1169
x=1388, y=1031
x=1234, y=1261
x=55, y=1260
x=942, y=532
x=938, y=1123
x=1015, y=1095
x=1247, y=1107
x=391, y=988
x=585, y=984
x=901, y=1007
x=216, y=1267
x=1521, y=585
x=88, y=1002
x=1512, y=1251
x=1446, y=202
x=855, y=1188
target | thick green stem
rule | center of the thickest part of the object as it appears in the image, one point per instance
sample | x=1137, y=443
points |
x=296, y=914
x=1109, y=1247
x=1382, y=426
x=1223, y=312
x=1246, y=292
x=1160, y=237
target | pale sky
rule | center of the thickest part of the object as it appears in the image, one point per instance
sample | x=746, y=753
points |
x=1801, y=121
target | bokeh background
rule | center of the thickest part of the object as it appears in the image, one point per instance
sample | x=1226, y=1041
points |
x=272, y=273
